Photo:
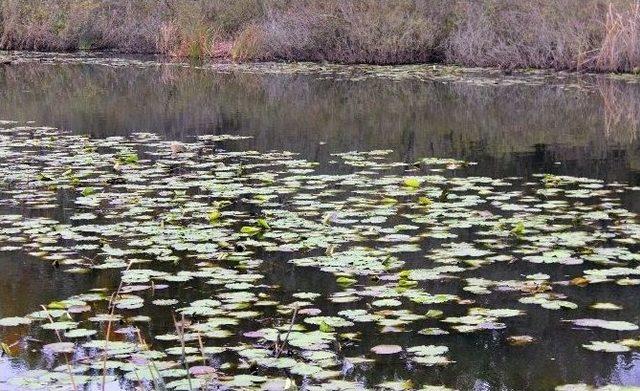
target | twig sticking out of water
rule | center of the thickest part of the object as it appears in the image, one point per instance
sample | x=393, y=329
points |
x=286, y=338
x=151, y=366
x=112, y=308
x=180, y=331
x=204, y=358
x=66, y=359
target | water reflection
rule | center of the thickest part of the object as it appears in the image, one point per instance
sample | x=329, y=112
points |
x=512, y=130
x=509, y=130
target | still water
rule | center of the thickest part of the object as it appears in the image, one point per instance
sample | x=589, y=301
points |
x=512, y=127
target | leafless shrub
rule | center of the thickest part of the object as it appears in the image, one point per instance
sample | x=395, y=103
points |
x=535, y=33
x=354, y=31
x=126, y=25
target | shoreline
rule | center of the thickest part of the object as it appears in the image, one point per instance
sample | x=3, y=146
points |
x=441, y=69
x=575, y=35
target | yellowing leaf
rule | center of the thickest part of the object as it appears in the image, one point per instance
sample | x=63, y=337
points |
x=250, y=230
x=424, y=201
x=214, y=215
x=346, y=280
x=412, y=182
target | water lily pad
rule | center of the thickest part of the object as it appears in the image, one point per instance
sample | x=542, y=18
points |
x=79, y=333
x=386, y=349
x=14, y=321
x=59, y=347
x=605, y=324
x=603, y=346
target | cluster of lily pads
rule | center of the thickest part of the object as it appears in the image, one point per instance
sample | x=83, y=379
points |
x=353, y=73
x=193, y=231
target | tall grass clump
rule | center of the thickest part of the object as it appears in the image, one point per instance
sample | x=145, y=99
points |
x=598, y=35
x=199, y=29
x=620, y=46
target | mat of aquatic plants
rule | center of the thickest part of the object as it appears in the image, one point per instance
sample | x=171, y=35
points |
x=238, y=269
x=353, y=73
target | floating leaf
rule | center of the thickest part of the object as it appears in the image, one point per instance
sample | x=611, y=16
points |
x=386, y=349
x=14, y=321
x=605, y=324
x=411, y=182
x=603, y=346
x=214, y=215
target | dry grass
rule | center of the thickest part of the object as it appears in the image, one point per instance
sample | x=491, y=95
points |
x=74, y=24
x=567, y=34
x=350, y=31
x=534, y=33
x=172, y=27
x=620, y=47
x=600, y=35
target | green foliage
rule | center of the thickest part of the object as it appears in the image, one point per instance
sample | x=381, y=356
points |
x=518, y=229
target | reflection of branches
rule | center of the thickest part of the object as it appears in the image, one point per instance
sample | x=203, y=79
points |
x=621, y=107
x=296, y=112
x=167, y=74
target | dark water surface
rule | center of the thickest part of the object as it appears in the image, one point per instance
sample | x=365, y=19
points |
x=585, y=127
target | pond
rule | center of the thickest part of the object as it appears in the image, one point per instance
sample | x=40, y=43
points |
x=312, y=226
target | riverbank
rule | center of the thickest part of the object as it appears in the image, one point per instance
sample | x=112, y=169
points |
x=585, y=35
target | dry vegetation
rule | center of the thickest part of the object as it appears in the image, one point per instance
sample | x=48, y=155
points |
x=601, y=35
